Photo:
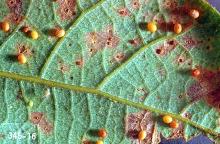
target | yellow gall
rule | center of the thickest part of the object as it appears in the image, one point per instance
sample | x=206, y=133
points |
x=174, y=124
x=177, y=28
x=33, y=34
x=5, y=26
x=152, y=27
x=58, y=32
x=142, y=135
x=99, y=142
x=22, y=59
x=194, y=13
x=167, y=119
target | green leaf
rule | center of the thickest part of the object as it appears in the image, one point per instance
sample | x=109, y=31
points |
x=108, y=71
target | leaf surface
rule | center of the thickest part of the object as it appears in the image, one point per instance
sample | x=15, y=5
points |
x=109, y=71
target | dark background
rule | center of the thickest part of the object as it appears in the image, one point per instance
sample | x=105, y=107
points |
x=199, y=139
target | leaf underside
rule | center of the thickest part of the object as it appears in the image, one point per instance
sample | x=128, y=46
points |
x=108, y=71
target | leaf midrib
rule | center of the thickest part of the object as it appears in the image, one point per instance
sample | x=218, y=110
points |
x=49, y=83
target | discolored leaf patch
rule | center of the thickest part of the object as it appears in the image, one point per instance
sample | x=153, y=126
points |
x=15, y=15
x=98, y=40
x=207, y=86
x=178, y=132
x=39, y=119
x=135, y=122
x=36, y=117
x=67, y=9
x=165, y=48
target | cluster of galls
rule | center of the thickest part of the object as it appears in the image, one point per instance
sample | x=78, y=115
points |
x=177, y=28
x=31, y=33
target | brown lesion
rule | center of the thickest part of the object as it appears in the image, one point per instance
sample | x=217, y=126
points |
x=15, y=7
x=170, y=4
x=36, y=117
x=207, y=86
x=178, y=132
x=182, y=59
x=46, y=127
x=24, y=49
x=119, y=57
x=39, y=119
x=187, y=115
x=123, y=12
x=135, y=122
x=67, y=9
x=63, y=67
x=135, y=42
x=136, y=4
x=79, y=62
x=99, y=40
x=166, y=47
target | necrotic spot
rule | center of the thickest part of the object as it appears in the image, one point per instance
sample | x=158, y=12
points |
x=15, y=6
x=207, y=87
x=67, y=9
x=36, y=117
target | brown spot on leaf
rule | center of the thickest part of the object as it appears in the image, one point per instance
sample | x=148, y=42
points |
x=99, y=40
x=67, y=9
x=207, y=86
x=165, y=26
x=160, y=51
x=135, y=42
x=15, y=7
x=112, y=41
x=180, y=10
x=136, y=4
x=79, y=62
x=63, y=67
x=189, y=42
x=119, y=57
x=143, y=92
x=39, y=119
x=36, y=117
x=187, y=115
x=46, y=127
x=178, y=132
x=123, y=12
x=136, y=122
x=166, y=47
x=14, y=18
x=181, y=59
x=22, y=48
x=87, y=142
x=170, y=4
